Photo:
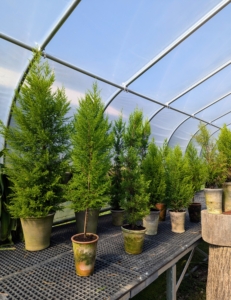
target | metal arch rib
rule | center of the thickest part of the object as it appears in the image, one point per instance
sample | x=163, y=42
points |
x=195, y=85
x=197, y=112
x=207, y=123
x=174, y=44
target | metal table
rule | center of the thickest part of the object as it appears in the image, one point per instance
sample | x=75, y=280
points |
x=50, y=274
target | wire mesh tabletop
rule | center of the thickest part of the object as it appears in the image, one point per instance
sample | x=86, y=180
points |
x=50, y=273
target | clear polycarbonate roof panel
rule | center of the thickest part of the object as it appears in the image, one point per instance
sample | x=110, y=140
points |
x=115, y=39
x=30, y=21
x=184, y=133
x=127, y=102
x=77, y=84
x=224, y=120
x=13, y=62
x=197, y=56
x=216, y=110
x=206, y=93
x=164, y=123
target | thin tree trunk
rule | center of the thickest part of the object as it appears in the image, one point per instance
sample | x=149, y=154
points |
x=219, y=273
x=85, y=224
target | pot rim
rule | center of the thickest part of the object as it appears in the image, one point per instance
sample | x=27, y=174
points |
x=133, y=230
x=87, y=242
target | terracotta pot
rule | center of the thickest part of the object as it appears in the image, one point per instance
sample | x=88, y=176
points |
x=194, y=211
x=37, y=232
x=133, y=240
x=213, y=198
x=151, y=221
x=227, y=196
x=177, y=221
x=117, y=217
x=92, y=223
x=162, y=208
x=84, y=253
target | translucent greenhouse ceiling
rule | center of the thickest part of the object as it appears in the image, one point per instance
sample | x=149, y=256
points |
x=171, y=58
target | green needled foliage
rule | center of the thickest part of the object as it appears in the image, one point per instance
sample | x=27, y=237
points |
x=215, y=161
x=117, y=194
x=136, y=135
x=154, y=172
x=179, y=180
x=37, y=143
x=91, y=142
x=224, y=146
x=197, y=166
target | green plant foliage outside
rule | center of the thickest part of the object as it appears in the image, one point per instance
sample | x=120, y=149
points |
x=215, y=161
x=224, y=146
x=117, y=193
x=37, y=144
x=154, y=172
x=179, y=190
x=91, y=152
x=136, y=135
x=197, y=166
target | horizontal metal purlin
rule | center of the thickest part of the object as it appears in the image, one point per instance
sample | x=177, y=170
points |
x=71, y=66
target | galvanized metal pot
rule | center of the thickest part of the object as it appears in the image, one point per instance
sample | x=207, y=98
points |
x=84, y=253
x=117, y=217
x=213, y=198
x=151, y=221
x=37, y=232
x=133, y=240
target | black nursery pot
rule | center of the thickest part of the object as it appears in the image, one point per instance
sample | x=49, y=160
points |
x=194, y=211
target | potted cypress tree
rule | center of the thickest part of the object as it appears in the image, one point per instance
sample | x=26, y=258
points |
x=224, y=147
x=216, y=170
x=90, y=183
x=117, y=193
x=36, y=159
x=136, y=200
x=179, y=187
x=154, y=172
x=199, y=174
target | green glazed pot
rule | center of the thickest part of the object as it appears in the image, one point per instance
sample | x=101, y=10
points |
x=84, y=253
x=37, y=232
x=133, y=240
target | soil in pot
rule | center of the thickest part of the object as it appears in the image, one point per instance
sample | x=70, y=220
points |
x=194, y=211
x=162, y=208
x=117, y=217
x=177, y=221
x=37, y=232
x=133, y=239
x=84, y=253
x=151, y=222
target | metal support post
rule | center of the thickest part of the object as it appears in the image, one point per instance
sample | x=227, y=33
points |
x=171, y=283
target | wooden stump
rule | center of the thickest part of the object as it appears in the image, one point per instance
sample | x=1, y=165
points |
x=216, y=230
x=219, y=273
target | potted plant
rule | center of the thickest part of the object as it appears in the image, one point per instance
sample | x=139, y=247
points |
x=154, y=173
x=179, y=189
x=117, y=193
x=216, y=170
x=36, y=156
x=89, y=186
x=136, y=200
x=223, y=144
x=199, y=172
